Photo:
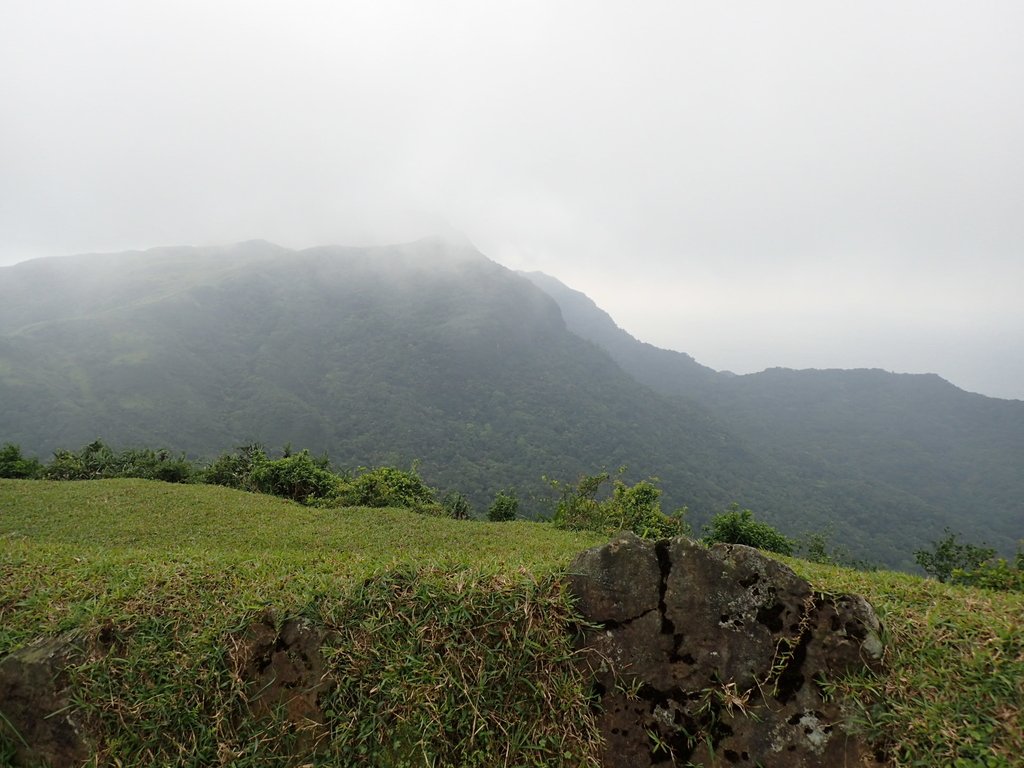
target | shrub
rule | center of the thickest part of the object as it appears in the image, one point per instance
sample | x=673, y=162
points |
x=635, y=508
x=160, y=465
x=455, y=506
x=504, y=508
x=953, y=561
x=994, y=574
x=299, y=477
x=14, y=465
x=92, y=461
x=386, y=487
x=98, y=460
x=738, y=526
x=577, y=508
x=234, y=470
x=949, y=554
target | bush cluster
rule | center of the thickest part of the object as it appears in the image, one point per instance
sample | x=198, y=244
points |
x=300, y=476
x=14, y=465
x=386, y=487
x=635, y=508
x=504, y=508
x=97, y=460
x=957, y=562
x=738, y=526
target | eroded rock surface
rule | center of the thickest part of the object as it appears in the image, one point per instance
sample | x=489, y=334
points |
x=715, y=656
x=285, y=673
x=35, y=705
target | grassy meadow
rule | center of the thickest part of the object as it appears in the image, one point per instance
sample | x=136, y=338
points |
x=447, y=637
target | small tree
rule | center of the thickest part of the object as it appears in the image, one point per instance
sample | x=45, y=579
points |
x=738, y=526
x=299, y=477
x=635, y=508
x=504, y=508
x=387, y=487
x=949, y=554
x=14, y=465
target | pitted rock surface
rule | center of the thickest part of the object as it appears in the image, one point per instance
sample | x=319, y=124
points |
x=715, y=656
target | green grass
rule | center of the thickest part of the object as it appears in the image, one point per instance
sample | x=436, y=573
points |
x=953, y=694
x=136, y=517
x=447, y=638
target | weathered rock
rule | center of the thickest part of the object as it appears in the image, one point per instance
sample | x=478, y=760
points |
x=286, y=674
x=716, y=656
x=617, y=582
x=34, y=701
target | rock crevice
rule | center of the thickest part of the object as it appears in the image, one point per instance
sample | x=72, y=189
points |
x=725, y=668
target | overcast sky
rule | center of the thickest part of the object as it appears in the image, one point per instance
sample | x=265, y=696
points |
x=802, y=184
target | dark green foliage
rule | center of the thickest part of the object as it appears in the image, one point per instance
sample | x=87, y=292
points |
x=635, y=508
x=98, y=460
x=234, y=470
x=951, y=560
x=738, y=526
x=504, y=508
x=386, y=487
x=819, y=547
x=14, y=465
x=949, y=554
x=815, y=547
x=428, y=350
x=995, y=573
x=456, y=506
x=886, y=459
x=299, y=477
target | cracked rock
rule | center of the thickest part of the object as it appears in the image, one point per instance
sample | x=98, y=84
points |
x=714, y=656
x=618, y=582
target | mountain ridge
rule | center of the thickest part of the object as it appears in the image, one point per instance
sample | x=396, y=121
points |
x=968, y=445
x=431, y=351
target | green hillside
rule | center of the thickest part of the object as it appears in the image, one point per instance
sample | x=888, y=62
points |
x=431, y=352
x=376, y=355
x=159, y=582
x=884, y=459
x=452, y=636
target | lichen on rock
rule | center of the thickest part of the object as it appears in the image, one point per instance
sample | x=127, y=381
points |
x=725, y=668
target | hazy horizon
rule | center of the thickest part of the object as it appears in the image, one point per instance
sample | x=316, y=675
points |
x=805, y=185
x=699, y=360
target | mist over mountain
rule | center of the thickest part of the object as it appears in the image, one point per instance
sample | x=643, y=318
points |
x=871, y=443
x=429, y=351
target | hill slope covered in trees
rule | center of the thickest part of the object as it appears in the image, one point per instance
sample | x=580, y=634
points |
x=874, y=449
x=431, y=352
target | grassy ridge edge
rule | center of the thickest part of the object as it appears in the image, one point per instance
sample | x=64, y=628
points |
x=449, y=637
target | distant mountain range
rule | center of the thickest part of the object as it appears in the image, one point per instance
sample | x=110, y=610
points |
x=431, y=352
